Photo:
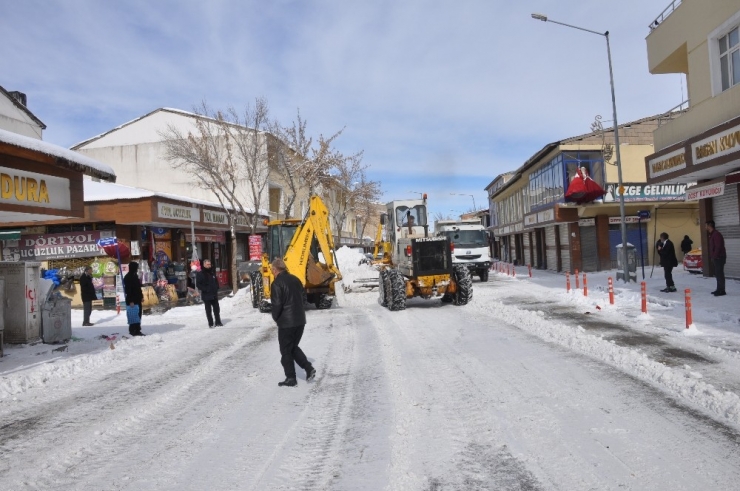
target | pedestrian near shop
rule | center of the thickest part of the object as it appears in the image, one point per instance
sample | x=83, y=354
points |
x=686, y=244
x=87, y=292
x=718, y=256
x=286, y=295
x=134, y=295
x=668, y=261
x=208, y=286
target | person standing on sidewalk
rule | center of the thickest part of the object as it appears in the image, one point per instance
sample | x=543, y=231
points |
x=668, y=261
x=208, y=286
x=286, y=295
x=134, y=295
x=718, y=256
x=87, y=291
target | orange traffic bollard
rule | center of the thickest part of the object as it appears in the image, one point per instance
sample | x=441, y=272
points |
x=529, y=267
x=585, y=285
x=689, y=316
x=578, y=285
x=508, y=270
x=611, y=291
x=567, y=281
x=643, y=293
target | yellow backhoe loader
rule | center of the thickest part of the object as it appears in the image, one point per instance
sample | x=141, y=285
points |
x=301, y=244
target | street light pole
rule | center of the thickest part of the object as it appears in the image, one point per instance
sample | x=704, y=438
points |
x=623, y=226
x=472, y=196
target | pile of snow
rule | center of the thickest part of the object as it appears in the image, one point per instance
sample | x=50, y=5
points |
x=349, y=265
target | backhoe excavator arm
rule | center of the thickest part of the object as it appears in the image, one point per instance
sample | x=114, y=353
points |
x=378, y=238
x=298, y=254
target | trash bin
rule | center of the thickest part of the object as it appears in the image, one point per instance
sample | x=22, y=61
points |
x=631, y=263
x=56, y=320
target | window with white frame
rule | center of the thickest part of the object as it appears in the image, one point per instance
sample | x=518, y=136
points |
x=729, y=58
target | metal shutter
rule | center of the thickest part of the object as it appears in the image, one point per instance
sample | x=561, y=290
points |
x=565, y=246
x=589, y=249
x=527, y=246
x=727, y=220
x=552, y=253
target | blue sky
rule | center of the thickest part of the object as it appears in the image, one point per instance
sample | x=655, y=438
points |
x=442, y=96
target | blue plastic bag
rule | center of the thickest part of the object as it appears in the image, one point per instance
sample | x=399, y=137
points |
x=132, y=314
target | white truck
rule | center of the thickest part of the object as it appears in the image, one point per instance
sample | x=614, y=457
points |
x=469, y=243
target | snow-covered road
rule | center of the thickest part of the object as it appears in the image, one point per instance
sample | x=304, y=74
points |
x=433, y=397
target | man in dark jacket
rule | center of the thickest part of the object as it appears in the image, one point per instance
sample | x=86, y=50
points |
x=286, y=295
x=718, y=256
x=87, y=291
x=134, y=295
x=668, y=261
x=208, y=286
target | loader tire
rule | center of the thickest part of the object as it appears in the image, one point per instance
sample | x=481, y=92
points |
x=382, y=299
x=464, y=291
x=256, y=279
x=397, y=290
x=323, y=302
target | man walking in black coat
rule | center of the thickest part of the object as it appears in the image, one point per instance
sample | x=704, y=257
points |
x=286, y=295
x=134, y=295
x=87, y=291
x=668, y=261
x=208, y=286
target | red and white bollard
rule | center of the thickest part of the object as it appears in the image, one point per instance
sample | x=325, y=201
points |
x=567, y=282
x=611, y=291
x=689, y=316
x=513, y=271
x=643, y=293
x=529, y=267
x=508, y=270
x=585, y=285
x=578, y=285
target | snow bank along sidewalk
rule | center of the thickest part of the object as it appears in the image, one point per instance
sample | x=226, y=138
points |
x=541, y=306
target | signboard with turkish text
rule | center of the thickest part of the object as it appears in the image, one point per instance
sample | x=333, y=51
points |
x=255, y=247
x=705, y=191
x=20, y=187
x=215, y=217
x=717, y=145
x=219, y=237
x=176, y=212
x=645, y=192
x=668, y=163
x=630, y=219
x=60, y=246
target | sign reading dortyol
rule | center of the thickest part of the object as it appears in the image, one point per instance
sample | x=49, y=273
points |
x=61, y=246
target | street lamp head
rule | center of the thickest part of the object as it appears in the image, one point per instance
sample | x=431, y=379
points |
x=541, y=17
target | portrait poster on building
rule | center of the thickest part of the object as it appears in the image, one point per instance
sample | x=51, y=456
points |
x=255, y=247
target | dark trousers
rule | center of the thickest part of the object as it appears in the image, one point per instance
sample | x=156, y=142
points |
x=135, y=329
x=719, y=273
x=668, y=270
x=86, y=311
x=289, y=337
x=212, y=304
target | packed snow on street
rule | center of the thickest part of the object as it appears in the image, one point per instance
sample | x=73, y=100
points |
x=528, y=386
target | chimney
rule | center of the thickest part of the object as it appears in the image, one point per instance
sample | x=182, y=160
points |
x=19, y=96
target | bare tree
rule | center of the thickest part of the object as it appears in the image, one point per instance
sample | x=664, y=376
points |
x=346, y=174
x=301, y=161
x=227, y=154
x=366, y=201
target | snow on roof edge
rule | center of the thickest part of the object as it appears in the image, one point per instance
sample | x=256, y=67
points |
x=69, y=158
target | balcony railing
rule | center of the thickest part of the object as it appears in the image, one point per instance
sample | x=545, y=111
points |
x=673, y=113
x=664, y=15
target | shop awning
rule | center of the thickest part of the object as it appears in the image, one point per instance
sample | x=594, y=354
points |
x=10, y=235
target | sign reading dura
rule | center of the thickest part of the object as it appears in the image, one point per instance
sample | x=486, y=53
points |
x=32, y=189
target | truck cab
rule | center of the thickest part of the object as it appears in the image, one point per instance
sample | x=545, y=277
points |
x=469, y=241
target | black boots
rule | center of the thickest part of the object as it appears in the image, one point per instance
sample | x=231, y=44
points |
x=310, y=373
x=288, y=382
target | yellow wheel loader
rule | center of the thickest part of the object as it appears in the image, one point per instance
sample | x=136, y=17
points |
x=307, y=247
x=419, y=265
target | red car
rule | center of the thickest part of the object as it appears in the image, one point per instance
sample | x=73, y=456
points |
x=692, y=261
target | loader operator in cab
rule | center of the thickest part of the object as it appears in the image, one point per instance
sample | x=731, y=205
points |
x=410, y=221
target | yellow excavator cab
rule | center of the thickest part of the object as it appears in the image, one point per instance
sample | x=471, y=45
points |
x=307, y=247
